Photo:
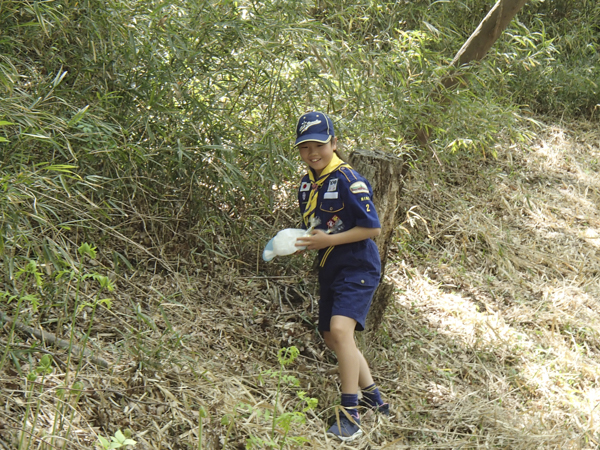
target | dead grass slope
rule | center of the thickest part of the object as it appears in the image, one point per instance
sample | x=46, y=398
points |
x=498, y=274
x=493, y=340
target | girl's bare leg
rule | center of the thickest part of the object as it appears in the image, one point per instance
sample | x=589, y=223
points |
x=354, y=370
x=364, y=377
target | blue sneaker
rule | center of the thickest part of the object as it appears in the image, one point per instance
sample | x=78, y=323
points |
x=382, y=409
x=346, y=427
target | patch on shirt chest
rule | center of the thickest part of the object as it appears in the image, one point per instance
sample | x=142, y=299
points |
x=305, y=186
x=359, y=187
x=331, y=224
x=331, y=190
x=332, y=185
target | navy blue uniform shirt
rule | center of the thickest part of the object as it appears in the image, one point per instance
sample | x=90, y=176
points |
x=347, y=196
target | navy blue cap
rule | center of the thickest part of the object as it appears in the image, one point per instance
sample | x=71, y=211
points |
x=314, y=126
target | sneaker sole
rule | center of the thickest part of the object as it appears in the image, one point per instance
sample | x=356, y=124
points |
x=346, y=438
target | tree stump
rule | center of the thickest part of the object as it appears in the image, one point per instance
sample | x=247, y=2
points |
x=386, y=173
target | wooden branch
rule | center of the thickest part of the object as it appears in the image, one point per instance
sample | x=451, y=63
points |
x=484, y=36
x=76, y=350
x=488, y=31
x=478, y=44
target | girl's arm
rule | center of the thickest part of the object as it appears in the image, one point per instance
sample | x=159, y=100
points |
x=319, y=239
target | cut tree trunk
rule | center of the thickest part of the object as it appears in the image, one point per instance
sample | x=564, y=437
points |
x=386, y=173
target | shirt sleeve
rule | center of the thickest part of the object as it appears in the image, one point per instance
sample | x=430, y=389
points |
x=359, y=198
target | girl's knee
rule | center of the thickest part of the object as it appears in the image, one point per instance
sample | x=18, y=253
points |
x=342, y=326
x=337, y=336
x=330, y=340
x=341, y=331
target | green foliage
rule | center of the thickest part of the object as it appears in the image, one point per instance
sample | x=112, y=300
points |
x=567, y=84
x=547, y=59
x=44, y=368
x=117, y=441
x=178, y=119
x=281, y=424
x=39, y=292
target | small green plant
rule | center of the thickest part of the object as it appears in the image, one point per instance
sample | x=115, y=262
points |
x=27, y=299
x=117, y=441
x=43, y=368
x=285, y=357
x=202, y=413
x=80, y=276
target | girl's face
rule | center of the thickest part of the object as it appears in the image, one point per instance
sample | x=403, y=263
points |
x=316, y=154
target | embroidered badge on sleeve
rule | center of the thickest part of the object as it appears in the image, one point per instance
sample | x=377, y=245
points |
x=359, y=188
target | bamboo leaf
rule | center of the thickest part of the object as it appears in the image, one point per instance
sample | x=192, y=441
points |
x=78, y=116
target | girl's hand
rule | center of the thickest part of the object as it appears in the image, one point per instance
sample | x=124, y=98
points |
x=317, y=240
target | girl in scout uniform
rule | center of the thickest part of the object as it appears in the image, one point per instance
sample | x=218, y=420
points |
x=349, y=264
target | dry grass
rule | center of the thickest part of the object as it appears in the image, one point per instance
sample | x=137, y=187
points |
x=505, y=277
x=493, y=340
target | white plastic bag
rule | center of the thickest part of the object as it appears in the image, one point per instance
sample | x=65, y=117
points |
x=284, y=243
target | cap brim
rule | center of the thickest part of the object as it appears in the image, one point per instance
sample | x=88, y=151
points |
x=322, y=138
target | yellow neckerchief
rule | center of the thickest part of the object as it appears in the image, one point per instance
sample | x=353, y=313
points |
x=311, y=206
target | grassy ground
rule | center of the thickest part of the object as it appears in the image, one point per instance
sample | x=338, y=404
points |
x=493, y=339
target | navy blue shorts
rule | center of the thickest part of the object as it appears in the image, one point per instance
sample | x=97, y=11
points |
x=349, y=294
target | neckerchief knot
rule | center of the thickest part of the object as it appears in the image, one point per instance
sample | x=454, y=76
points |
x=335, y=164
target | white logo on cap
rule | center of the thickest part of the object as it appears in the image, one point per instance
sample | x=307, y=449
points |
x=306, y=125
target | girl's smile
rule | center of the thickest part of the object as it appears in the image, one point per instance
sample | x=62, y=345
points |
x=317, y=155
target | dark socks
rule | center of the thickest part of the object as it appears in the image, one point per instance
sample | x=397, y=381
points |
x=350, y=403
x=372, y=396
